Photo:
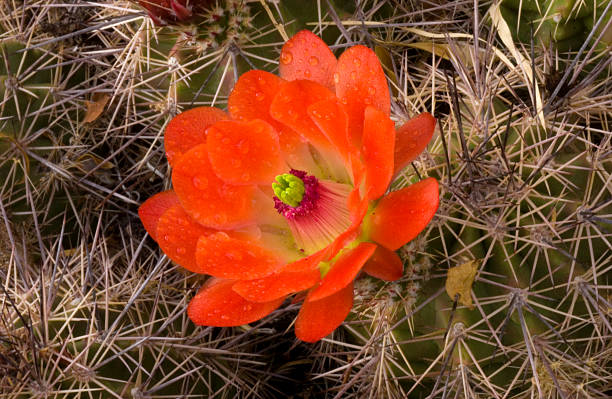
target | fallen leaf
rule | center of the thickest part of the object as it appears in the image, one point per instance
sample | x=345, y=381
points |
x=96, y=106
x=459, y=280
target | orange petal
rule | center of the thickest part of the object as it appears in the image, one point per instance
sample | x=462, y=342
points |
x=178, y=236
x=277, y=285
x=343, y=271
x=385, y=265
x=188, y=129
x=252, y=96
x=244, y=152
x=206, y=198
x=331, y=119
x=225, y=256
x=306, y=56
x=401, y=215
x=412, y=138
x=360, y=81
x=290, y=108
x=308, y=263
x=377, y=149
x=319, y=318
x=152, y=209
x=218, y=305
x=350, y=234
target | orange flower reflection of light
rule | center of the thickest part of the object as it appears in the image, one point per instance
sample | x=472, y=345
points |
x=321, y=131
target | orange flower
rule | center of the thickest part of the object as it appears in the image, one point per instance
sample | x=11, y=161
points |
x=287, y=193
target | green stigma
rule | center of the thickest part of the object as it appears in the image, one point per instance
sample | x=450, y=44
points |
x=289, y=189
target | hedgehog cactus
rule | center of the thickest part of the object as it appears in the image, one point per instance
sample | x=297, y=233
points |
x=564, y=23
x=178, y=69
x=29, y=124
x=505, y=295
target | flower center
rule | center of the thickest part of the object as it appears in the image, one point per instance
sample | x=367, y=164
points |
x=295, y=193
x=289, y=189
x=315, y=209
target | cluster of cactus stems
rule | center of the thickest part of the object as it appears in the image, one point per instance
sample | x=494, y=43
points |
x=522, y=91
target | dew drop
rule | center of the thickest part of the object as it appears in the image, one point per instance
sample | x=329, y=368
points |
x=247, y=307
x=234, y=255
x=234, y=108
x=243, y=147
x=286, y=57
x=166, y=237
x=225, y=317
x=245, y=176
x=181, y=251
x=354, y=75
x=307, y=73
x=367, y=101
x=371, y=90
x=336, y=77
x=220, y=236
x=316, y=114
x=259, y=96
x=313, y=60
x=235, y=163
x=199, y=182
x=344, y=101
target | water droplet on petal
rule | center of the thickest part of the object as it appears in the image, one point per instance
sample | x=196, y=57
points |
x=245, y=176
x=357, y=61
x=199, y=182
x=221, y=236
x=220, y=219
x=336, y=77
x=316, y=114
x=307, y=73
x=313, y=60
x=354, y=75
x=166, y=237
x=286, y=57
x=181, y=251
x=243, y=146
x=225, y=317
x=235, y=163
x=259, y=96
x=371, y=90
x=367, y=101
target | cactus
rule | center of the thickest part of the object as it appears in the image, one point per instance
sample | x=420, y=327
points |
x=522, y=153
x=566, y=24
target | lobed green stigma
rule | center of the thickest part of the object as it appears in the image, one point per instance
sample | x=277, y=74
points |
x=289, y=189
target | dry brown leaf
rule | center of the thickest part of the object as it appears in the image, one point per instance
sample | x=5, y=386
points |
x=95, y=107
x=459, y=280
